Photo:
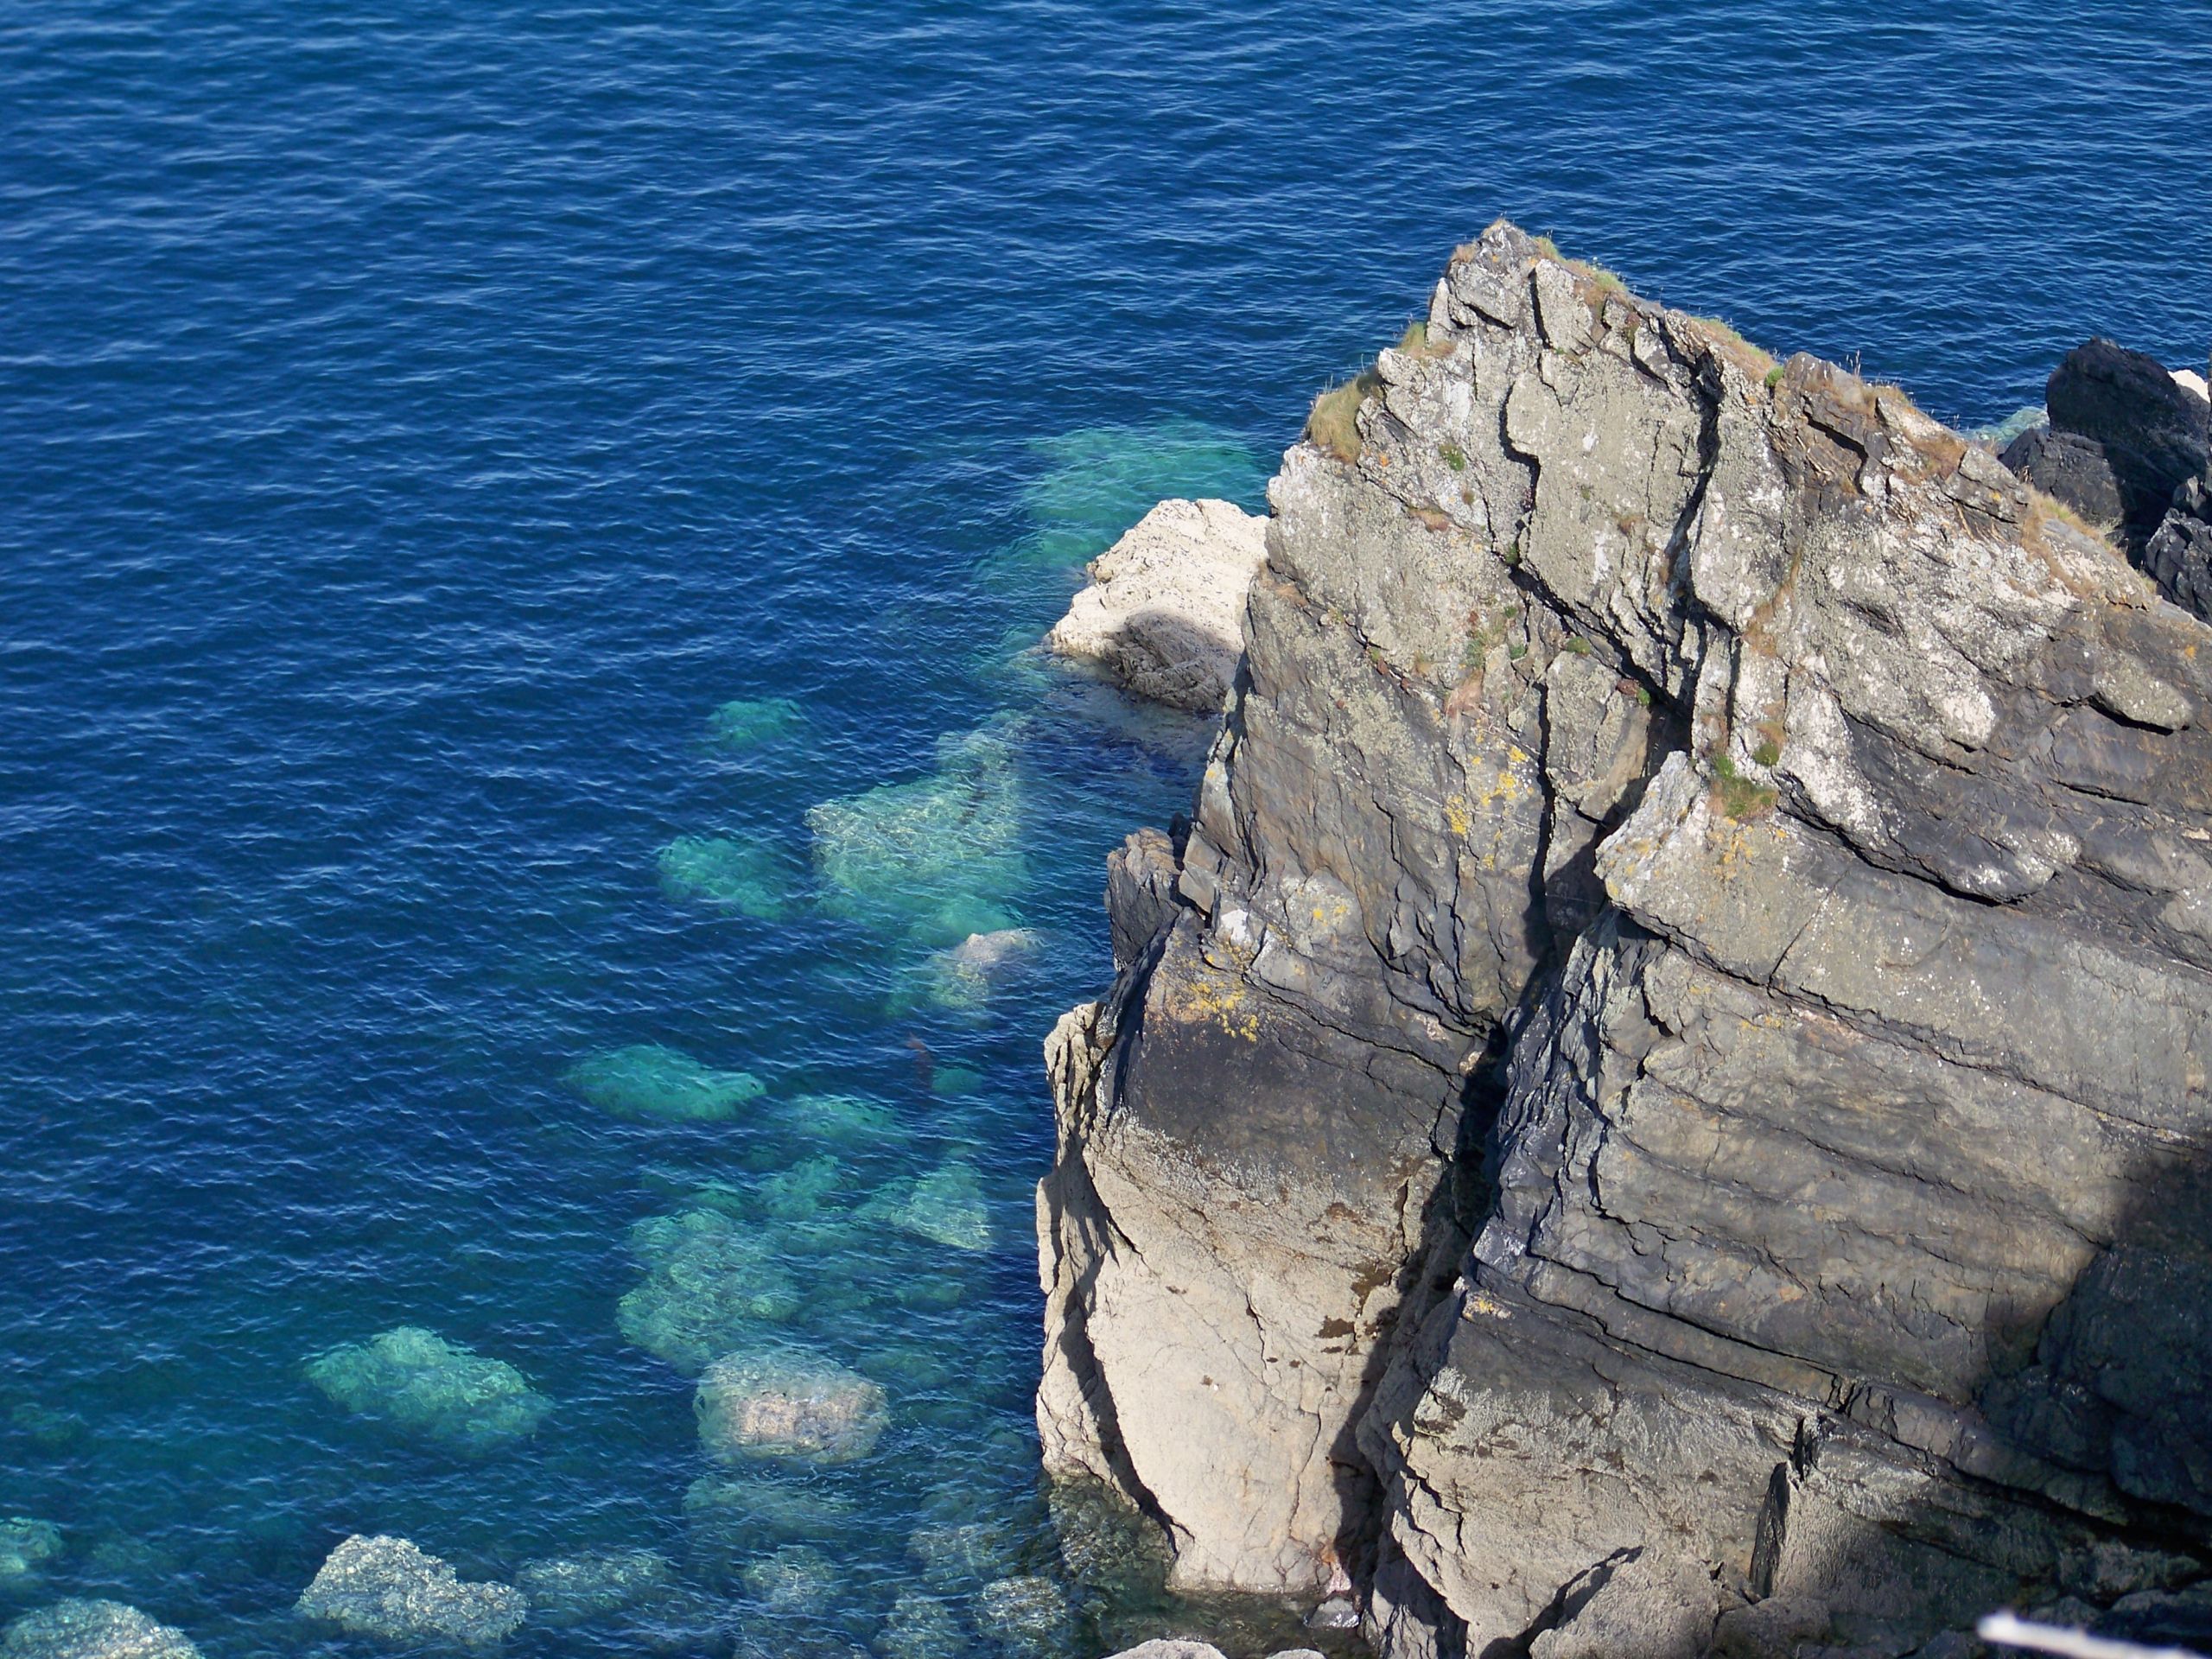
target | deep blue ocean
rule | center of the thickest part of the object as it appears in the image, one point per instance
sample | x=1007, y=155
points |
x=487, y=493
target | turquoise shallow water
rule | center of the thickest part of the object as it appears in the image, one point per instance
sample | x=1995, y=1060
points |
x=419, y=425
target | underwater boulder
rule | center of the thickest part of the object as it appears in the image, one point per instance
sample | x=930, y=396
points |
x=843, y=1120
x=963, y=1554
x=752, y=878
x=794, y=1579
x=649, y=1081
x=572, y=1589
x=750, y=722
x=386, y=1588
x=80, y=1629
x=944, y=1206
x=937, y=859
x=788, y=1403
x=920, y=1627
x=1029, y=1617
x=711, y=1282
x=26, y=1546
x=416, y=1383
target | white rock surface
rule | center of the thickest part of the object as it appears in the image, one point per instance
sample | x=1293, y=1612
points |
x=1164, y=611
x=2193, y=380
x=1171, y=1647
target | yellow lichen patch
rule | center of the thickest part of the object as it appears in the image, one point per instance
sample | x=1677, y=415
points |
x=1211, y=995
x=1482, y=1304
x=1455, y=815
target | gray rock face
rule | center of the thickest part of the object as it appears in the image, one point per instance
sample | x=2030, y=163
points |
x=2151, y=428
x=386, y=1588
x=93, y=1629
x=1662, y=1111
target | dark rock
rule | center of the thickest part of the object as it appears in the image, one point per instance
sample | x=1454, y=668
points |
x=2179, y=556
x=2151, y=428
x=1141, y=875
x=2071, y=468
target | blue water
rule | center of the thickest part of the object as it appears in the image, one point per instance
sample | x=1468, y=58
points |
x=416, y=420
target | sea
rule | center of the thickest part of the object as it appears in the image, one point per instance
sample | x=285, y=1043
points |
x=537, y=848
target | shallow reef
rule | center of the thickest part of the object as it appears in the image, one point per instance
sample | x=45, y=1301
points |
x=753, y=723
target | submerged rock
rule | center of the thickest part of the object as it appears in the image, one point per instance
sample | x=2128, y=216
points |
x=749, y=877
x=712, y=1281
x=26, y=1546
x=963, y=1554
x=749, y=722
x=844, y=1120
x=93, y=1629
x=386, y=1588
x=1163, y=614
x=920, y=1627
x=647, y=1080
x=937, y=859
x=1098, y=481
x=795, y=1579
x=571, y=1589
x=416, y=1383
x=1029, y=1616
x=945, y=1206
x=964, y=976
x=788, y=1403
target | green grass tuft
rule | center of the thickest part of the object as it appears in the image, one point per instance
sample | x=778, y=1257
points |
x=1740, y=796
x=1333, y=423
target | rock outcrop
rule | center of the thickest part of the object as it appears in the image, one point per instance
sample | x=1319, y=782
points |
x=1164, y=613
x=2179, y=556
x=1661, y=1104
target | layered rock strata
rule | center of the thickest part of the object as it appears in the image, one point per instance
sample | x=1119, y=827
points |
x=1656, y=1107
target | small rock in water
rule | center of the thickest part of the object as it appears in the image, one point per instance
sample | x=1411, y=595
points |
x=711, y=1281
x=748, y=723
x=920, y=1627
x=1181, y=1647
x=1028, y=1615
x=26, y=1546
x=649, y=1081
x=93, y=1629
x=788, y=1404
x=386, y=1588
x=795, y=1579
x=963, y=977
x=570, y=1589
x=1337, y=1613
x=415, y=1382
x=748, y=877
x=761, y=1504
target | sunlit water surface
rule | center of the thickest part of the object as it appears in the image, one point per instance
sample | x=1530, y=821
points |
x=487, y=491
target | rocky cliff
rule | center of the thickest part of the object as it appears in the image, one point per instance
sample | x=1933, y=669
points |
x=1658, y=1106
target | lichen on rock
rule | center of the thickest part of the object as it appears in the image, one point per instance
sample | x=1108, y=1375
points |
x=89, y=1629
